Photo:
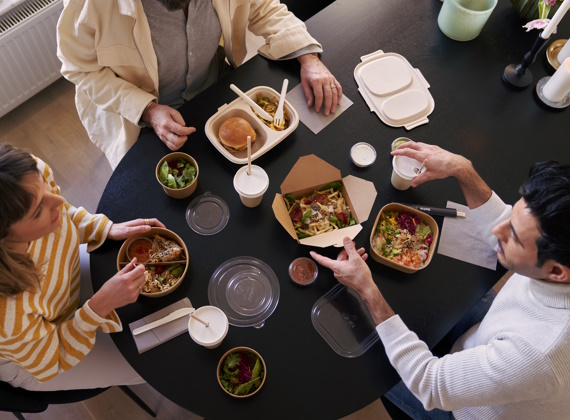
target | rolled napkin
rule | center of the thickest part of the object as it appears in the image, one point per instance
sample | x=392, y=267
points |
x=152, y=338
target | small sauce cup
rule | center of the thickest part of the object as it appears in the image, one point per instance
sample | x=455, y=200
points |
x=141, y=248
x=363, y=154
x=303, y=271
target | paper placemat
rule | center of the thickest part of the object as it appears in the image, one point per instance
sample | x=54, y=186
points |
x=152, y=338
x=315, y=121
x=460, y=239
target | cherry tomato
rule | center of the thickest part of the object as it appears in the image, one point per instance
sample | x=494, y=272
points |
x=296, y=214
x=321, y=197
x=342, y=217
x=307, y=202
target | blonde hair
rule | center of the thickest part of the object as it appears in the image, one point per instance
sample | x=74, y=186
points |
x=18, y=271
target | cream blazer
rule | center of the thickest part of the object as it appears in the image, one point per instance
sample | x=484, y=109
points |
x=106, y=50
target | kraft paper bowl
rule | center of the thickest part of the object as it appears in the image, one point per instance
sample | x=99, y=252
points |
x=179, y=192
x=427, y=219
x=165, y=233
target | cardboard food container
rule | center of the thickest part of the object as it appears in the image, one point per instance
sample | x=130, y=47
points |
x=394, y=90
x=178, y=192
x=266, y=138
x=311, y=173
x=165, y=233
x=426, y=218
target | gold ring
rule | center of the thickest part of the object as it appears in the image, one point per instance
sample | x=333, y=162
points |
x=333, y=86
x=147, y=222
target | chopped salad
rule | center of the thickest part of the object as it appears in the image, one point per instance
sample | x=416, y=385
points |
x=177, y=173
x=403, y=237
x=241, y=373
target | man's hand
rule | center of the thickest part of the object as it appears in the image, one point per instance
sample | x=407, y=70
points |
x=350, y=267
x=319, y=85
x=168, y=124
x=125, y=230
x=351, y=270
x=440, y=163
x=120, y=290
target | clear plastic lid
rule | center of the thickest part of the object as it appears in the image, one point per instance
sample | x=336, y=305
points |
x=246, y=289
x=207, y=214
x=343, y=320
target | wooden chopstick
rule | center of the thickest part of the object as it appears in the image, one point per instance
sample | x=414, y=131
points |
x=156, y=263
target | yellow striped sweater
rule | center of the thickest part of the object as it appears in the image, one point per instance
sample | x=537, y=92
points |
x=44, y=331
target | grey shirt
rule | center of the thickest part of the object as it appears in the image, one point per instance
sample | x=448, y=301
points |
x=185, y=49
x=189, y=64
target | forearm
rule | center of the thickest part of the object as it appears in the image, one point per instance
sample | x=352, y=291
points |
x=475, y=190
x=377, y=305
x=92, y=228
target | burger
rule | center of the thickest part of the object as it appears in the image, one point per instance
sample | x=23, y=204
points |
x=233, y=134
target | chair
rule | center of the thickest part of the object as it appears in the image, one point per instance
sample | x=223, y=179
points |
x=19, y=400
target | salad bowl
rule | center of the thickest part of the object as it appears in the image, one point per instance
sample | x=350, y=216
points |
x=246, y=364
x=174, y=189
x=429, y=241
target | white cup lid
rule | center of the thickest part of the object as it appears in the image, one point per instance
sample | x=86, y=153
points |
x=404, y=166
x=251, y=185
x=217, y=329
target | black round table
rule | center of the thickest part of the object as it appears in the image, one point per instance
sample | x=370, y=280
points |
x=476, y=114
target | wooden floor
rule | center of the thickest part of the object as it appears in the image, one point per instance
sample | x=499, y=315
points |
x=48, y=126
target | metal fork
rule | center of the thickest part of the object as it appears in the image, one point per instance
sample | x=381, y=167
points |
x=278, y=120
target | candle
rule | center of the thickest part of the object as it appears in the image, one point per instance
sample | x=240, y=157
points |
x=555, y=19
x=564, y=53
x=556, y=89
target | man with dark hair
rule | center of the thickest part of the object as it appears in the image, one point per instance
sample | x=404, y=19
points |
x=512, y=359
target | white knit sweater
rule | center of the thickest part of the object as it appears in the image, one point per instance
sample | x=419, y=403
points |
x=515, y=364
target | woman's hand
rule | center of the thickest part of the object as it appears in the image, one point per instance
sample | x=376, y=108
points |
x=319, y=85
x=133, y=227
x=120, y=290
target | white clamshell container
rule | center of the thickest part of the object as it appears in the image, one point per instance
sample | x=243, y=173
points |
x=266, y=138
x=394, y=90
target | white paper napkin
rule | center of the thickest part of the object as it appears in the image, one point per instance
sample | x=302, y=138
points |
x=152, y=338
x=315, y=121
x=460, y=239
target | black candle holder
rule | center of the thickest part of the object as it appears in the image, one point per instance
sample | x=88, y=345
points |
x=519, y=75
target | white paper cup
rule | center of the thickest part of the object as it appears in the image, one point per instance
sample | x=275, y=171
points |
x=212, y=335
x=403, y=171
x=251, y=187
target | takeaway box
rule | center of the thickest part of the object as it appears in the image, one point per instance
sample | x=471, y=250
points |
x=311, y=173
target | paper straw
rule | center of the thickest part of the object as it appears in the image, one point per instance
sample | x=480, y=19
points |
x=249, y=155
x=207, y=324
x=419, y=170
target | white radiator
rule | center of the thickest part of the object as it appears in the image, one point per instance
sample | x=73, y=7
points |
x=28, y=51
